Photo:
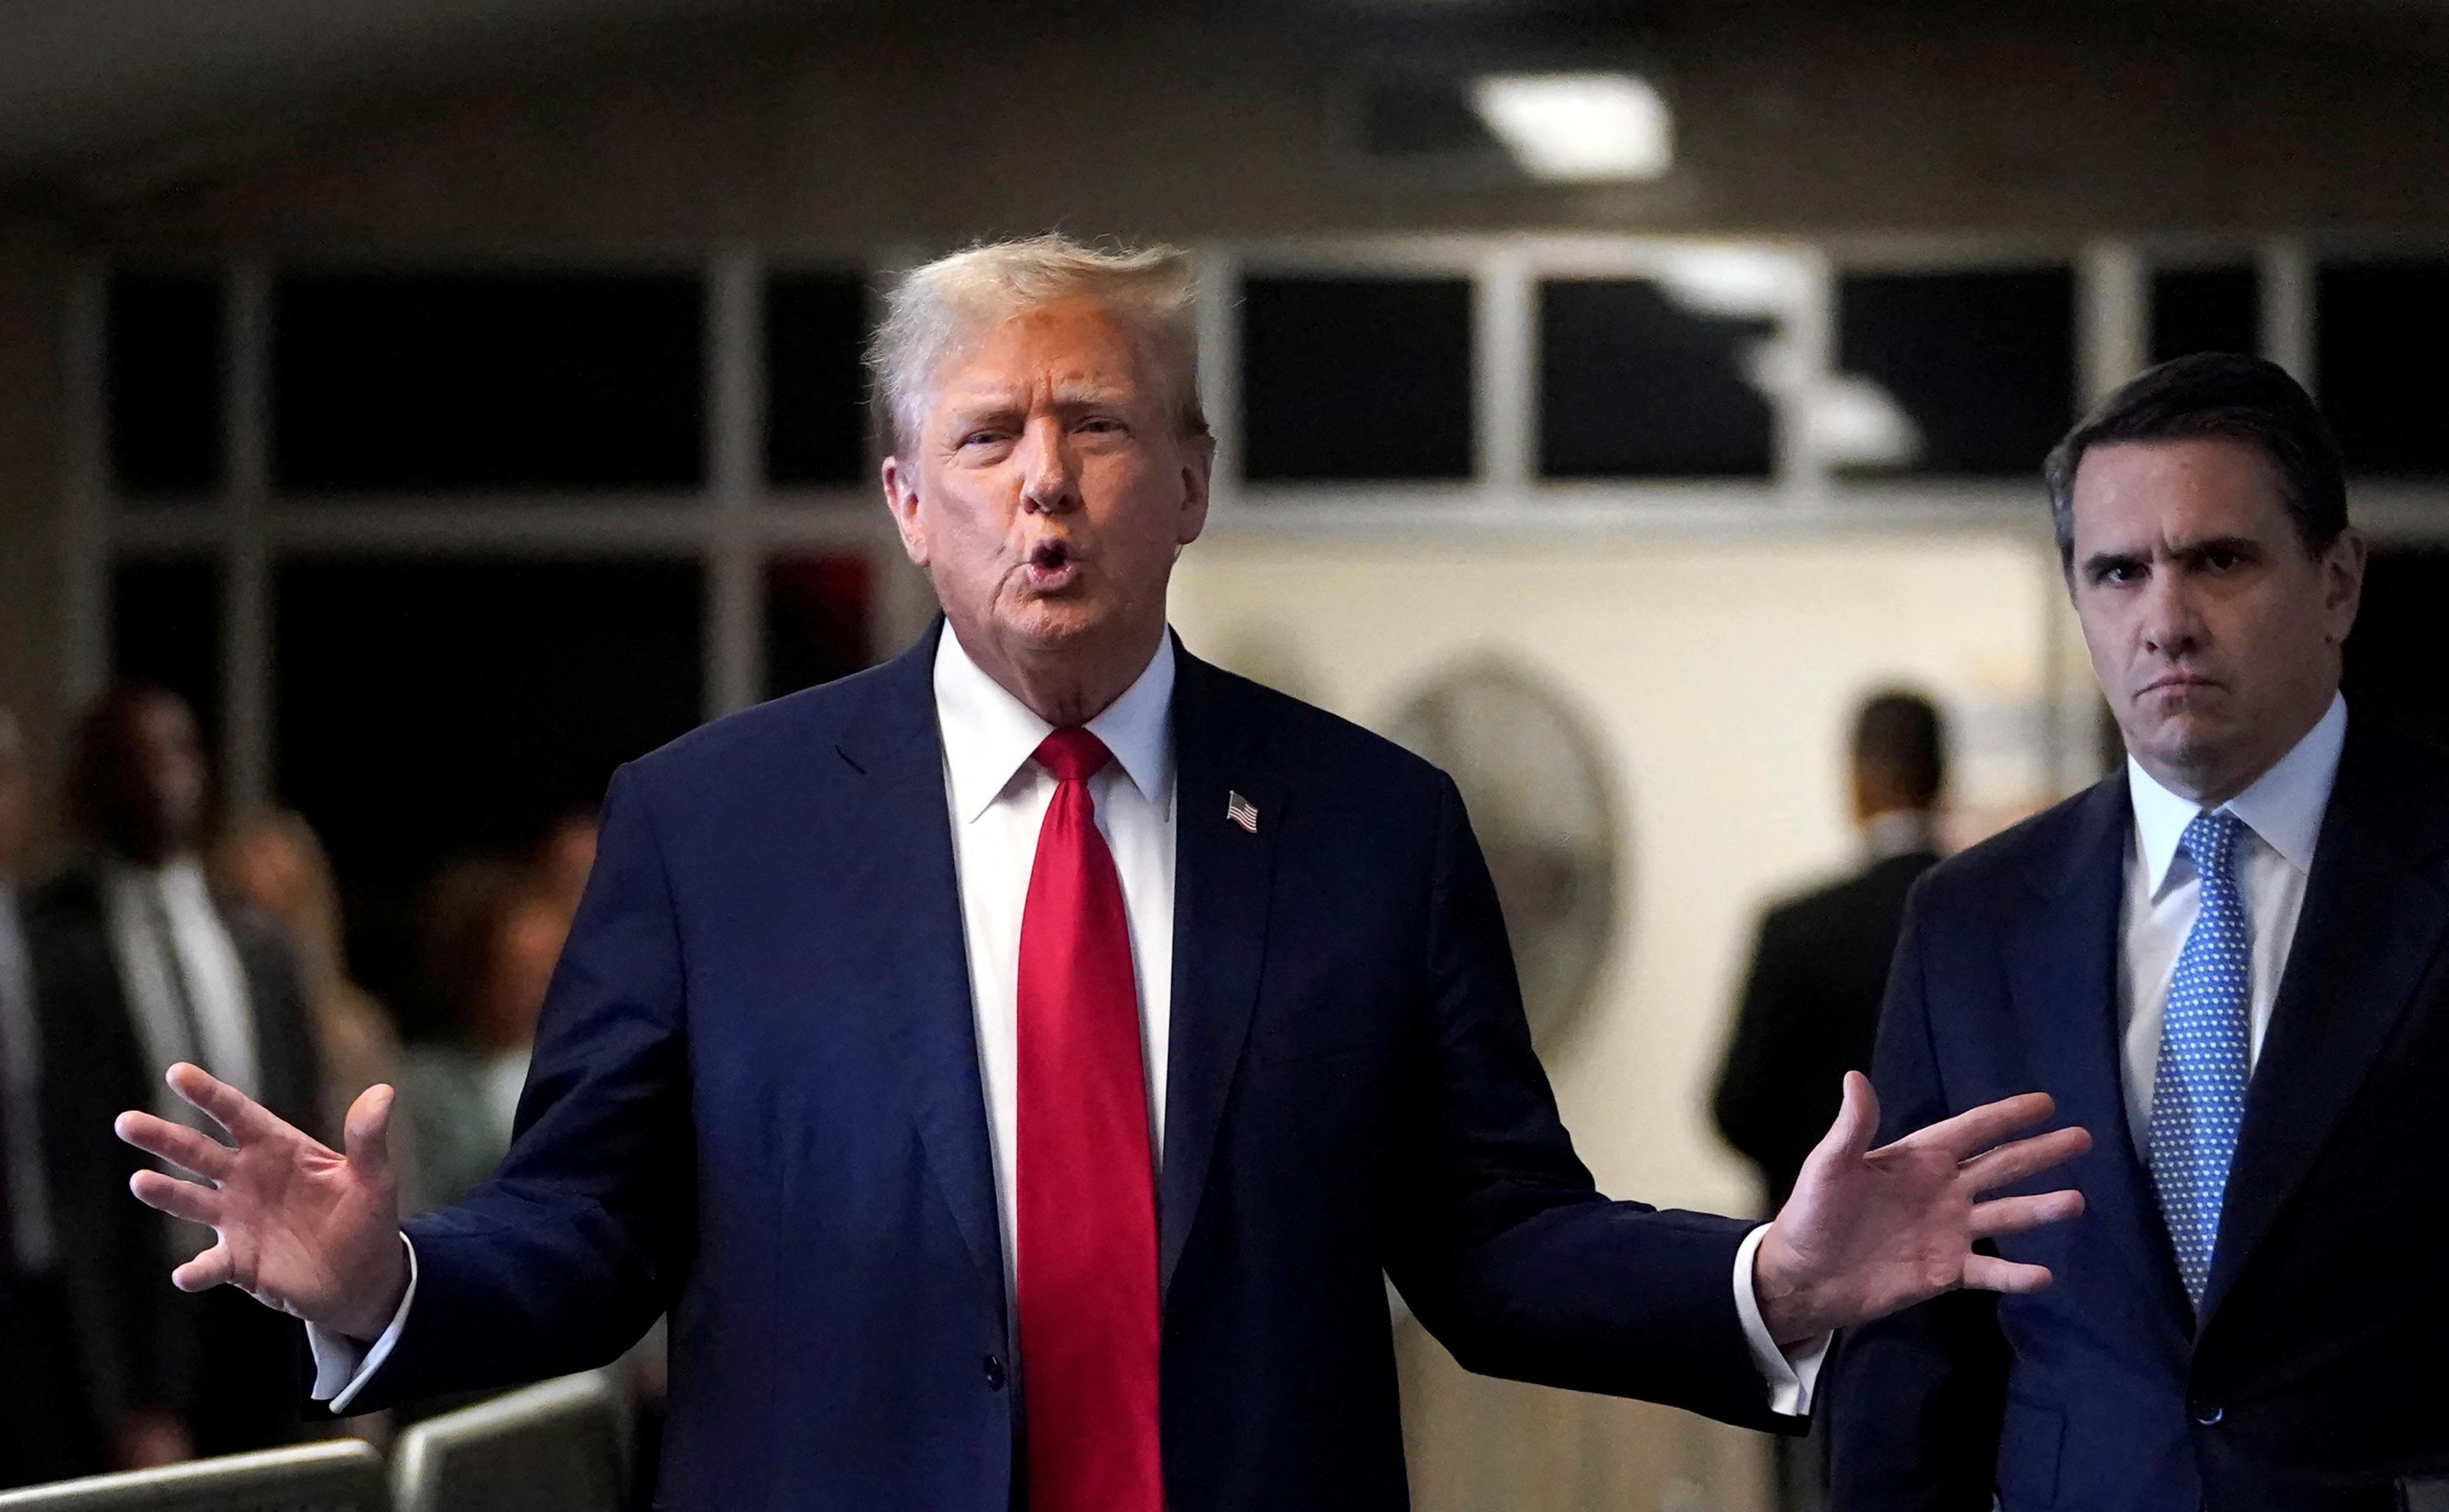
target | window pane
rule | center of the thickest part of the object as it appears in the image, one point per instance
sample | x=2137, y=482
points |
x=164, y=371
x=1982, y=363
x=2398, y=660
x=426, y=711
x=2380, y=328
x=165, y=628
x=401, y=382
x=2204, y=309
x=818, y=615
x=1633, y=385
x=1356, y=378
x=815, y=388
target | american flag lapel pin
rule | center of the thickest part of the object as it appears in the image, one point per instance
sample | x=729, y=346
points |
x=1242, y=811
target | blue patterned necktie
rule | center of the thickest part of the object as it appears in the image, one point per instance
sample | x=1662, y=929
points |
x=2198, y=1097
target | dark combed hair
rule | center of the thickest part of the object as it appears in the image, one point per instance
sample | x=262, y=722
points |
x=1899, y=735
x=2216, y=395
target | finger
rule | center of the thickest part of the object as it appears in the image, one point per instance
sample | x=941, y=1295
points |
x=1987, y=1273
x=175, y=1143
x=2014, y=1214
x=246, y=1118
x=1977, y=1129
x=181, y=1199
x=367, y=1131
x=2010, y=1163
x=1849, y=1137
x=206, y=1271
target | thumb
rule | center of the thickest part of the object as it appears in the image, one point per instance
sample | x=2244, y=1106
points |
x=1857, y=1119
x=367, y=1131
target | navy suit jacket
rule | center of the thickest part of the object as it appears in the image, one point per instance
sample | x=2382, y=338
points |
x=2313, y=1379
x=755, y=1102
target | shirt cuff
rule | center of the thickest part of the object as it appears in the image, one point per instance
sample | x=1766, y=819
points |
x=1793, y=1374
x=344, y=1365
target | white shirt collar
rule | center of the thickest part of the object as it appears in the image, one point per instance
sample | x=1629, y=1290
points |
x=989, y=735
x=1898, y=831
x=2283, y=806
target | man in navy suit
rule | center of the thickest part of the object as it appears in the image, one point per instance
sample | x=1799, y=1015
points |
x=2226, y=959
x=964, y=1050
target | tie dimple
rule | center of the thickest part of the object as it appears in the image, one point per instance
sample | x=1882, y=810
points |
x=2198, y=1093
x=1073, y=754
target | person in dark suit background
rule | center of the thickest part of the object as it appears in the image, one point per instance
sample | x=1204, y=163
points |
x=134, y=959
x=1811, y=998
x=963, y=1048
x=2228, y=959
x=1820, y=969
x=47, y=1430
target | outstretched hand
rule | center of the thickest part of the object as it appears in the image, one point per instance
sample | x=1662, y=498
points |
x=297, y=1225
x=1869, y=1231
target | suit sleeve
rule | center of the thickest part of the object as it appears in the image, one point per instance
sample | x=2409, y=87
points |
x=568, y=1253
x=1499, y=1239
x=1918, y=1396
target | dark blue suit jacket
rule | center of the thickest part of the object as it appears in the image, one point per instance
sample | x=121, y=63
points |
x=2314, y=1378
x=755, y=1102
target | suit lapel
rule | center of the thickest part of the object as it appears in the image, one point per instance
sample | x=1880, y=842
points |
x=2062, y=974
x=1222, y=874
x=900, y=832
x=2372, y=922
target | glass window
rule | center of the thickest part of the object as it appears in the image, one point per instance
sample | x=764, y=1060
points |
x=165, y=628
x=2380, y=330
x=1634, y=385
x=1981, y=362
x=819, y=610
x=2206, y=310
x=426, y=711
x=163, y=372
x=398, y=382
x=2398, y=660
x=1355, y=378
x=815, y=388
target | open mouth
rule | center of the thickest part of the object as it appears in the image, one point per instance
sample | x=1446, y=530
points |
x=1051, y=564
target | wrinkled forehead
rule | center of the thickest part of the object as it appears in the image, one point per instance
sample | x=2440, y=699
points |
x=2138, y=494
x=1076, y=349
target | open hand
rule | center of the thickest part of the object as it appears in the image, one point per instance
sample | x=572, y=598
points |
x=1870, y=1232
x=297, y=1225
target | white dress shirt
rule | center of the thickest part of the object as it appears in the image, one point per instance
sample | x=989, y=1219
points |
x=997, y=798
x=162, y=919
x=2281, y=813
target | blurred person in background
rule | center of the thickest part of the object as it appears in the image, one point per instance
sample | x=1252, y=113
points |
x=1811, y=1000
x=492, y=933
x=563, y=859
x=270, y=859
x=136, y=964
x=2228, y=957
x=875, y=1059
x=47, y=1429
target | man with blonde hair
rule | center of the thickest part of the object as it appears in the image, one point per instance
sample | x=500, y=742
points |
x=1015, y=1067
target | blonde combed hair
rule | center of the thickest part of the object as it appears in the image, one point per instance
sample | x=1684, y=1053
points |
x=937, y=307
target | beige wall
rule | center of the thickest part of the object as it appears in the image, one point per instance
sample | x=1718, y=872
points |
x=1721, y=676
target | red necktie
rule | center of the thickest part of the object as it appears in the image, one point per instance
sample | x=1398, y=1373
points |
x=1086, y=1223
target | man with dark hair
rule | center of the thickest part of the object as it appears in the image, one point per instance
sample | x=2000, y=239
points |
x=134, y=961
x=1811, y=1000
x=2228, y=959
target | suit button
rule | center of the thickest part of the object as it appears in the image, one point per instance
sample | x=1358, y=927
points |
x=995, y=1373
x=2209, y=1413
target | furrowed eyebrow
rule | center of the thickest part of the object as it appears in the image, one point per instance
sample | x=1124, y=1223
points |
x=2233, y=545
x=2100, y=563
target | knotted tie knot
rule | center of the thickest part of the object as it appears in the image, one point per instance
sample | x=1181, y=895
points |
x=1073, y=754
x=2210, y=840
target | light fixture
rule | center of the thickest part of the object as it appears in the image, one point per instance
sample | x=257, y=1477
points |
x=1578, y=127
